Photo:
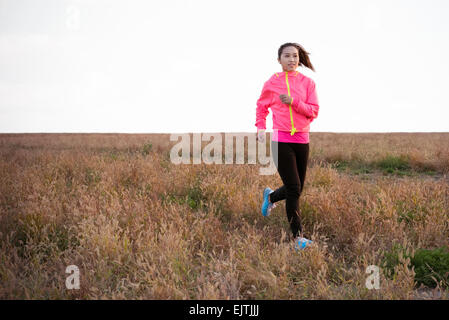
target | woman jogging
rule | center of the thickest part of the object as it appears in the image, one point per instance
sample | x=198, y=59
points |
x=293, y=101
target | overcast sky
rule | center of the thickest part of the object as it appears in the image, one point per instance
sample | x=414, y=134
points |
x=199, y=66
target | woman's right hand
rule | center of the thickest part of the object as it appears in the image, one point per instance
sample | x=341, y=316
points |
x=286, y=99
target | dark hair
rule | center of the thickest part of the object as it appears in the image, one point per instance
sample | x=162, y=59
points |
x=303, y=54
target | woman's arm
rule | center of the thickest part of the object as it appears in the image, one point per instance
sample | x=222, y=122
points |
x=310, y=107
x=263, y=103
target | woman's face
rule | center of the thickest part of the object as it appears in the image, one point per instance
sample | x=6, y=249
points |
x=289, y=59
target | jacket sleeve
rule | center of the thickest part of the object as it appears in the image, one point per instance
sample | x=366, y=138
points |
x=263, y=103
x=310, y=107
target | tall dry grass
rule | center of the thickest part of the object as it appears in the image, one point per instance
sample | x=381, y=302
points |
x=140, y=227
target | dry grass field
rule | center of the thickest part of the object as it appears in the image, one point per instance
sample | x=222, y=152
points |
x=140, y=227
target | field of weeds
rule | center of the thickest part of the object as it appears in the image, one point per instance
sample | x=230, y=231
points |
x=140, y=227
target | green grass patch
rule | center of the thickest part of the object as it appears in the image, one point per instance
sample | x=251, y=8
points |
x=195, y=197
x=91, y=176
x=341, y=165
x=410, y=213
x=431, y=265
x=354, y=166
x=147, y=148
x=394, y=165
x=48, y=237
x=192, y=196
x=429, y=172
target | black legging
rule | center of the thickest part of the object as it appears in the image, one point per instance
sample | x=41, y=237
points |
x=291, y=165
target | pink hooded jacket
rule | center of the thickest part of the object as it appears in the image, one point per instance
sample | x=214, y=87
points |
x=304, y=108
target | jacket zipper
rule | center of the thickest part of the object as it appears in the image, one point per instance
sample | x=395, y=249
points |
x=292, y=132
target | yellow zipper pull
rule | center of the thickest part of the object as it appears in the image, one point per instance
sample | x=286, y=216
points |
x=292, y=132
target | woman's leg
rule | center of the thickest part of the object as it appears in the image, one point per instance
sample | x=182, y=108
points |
x=280, y=193
x=302, y=157
x=287, y=167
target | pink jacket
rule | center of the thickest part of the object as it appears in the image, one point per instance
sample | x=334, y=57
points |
x=304, y=107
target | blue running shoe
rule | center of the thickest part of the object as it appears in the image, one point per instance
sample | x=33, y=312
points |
x=267, y=205
x=301, y=243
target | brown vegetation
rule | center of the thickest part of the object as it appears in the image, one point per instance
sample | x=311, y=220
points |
x=140, y=227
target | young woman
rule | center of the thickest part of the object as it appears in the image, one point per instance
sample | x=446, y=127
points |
x=293, y=101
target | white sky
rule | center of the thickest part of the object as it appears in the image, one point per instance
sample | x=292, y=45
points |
x=199, y=66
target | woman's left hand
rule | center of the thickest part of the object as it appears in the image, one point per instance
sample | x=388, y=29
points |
x=285, y=98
